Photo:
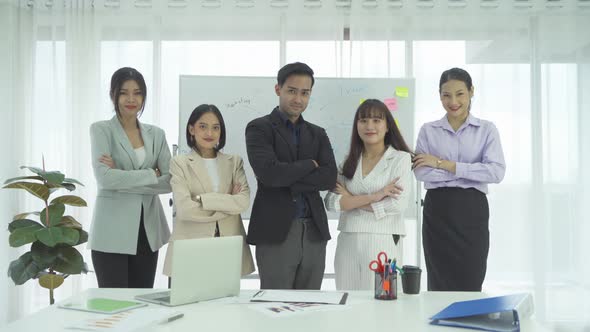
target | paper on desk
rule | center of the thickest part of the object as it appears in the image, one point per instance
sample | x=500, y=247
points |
x=133, y=320
x=240, y=299
x=299, y=296
x=275, y=309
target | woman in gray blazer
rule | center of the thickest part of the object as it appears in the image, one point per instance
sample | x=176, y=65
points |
x=131, y=165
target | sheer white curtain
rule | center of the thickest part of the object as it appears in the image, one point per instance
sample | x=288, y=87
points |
x=7, y=135
x=59, y=62
x=530, y=71
x=53, y=99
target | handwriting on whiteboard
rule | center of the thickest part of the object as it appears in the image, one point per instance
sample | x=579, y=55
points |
x=355, y=90
x=242, y=101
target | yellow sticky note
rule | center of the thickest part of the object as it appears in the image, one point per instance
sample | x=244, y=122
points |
x=401, y=91
x=362, y=101
x=396, y=123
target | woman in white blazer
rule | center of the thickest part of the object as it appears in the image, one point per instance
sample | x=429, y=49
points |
x=371, y=214
x=131, y=165
x=209, y=187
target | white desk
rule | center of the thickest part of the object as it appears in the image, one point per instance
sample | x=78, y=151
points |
x=361, y=313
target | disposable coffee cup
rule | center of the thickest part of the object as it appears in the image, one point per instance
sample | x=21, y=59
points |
x=411, y=279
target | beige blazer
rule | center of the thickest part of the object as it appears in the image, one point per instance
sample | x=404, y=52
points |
x=125, y=190
x=197, y=220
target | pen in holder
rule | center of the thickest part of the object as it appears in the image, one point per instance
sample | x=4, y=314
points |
x=386, y=285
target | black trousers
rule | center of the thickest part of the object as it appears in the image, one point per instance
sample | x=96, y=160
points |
x=127, y=271
x=456, y=238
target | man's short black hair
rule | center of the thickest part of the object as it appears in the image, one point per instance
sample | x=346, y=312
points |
x=295, y=68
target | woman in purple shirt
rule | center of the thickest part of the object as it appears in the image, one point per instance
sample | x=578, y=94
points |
x=457, y=156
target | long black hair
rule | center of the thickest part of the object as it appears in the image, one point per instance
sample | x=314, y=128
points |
x=371, y=108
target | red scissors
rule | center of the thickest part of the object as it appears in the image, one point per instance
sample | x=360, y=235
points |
x=378, y=265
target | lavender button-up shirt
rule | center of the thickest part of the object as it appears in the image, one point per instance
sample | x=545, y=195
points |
x=475, y=148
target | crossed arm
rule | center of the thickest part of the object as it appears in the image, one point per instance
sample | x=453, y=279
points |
x=300, y=175
x=430, y=168
x=109, y=177
x=213, y=206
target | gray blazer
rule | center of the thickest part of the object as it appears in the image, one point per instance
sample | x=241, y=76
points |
x=123, y=191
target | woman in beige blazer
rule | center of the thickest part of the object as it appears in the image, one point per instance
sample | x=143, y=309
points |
x=130, y=161
x=209, y=187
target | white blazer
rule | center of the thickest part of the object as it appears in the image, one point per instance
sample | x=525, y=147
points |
x=387, y=216
x=122, y=192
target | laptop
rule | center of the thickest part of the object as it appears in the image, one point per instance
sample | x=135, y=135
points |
x=202, y=269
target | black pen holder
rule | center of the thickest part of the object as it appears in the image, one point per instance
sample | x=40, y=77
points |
x=386, y=286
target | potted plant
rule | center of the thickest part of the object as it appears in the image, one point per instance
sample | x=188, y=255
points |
x=52, y=256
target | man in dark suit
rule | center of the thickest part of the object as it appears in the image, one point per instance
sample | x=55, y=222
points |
x=292, y=160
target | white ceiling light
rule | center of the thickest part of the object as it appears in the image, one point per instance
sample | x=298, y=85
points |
x=523, y=4
x=343, y=3
x=245, y=3
x=395, y=3
x=279, y=3
x=211, y=3
x=177, y=3
x=424, y=3
x=143, y=3
x=370, y=3
x=457, y=3
x=489, y=4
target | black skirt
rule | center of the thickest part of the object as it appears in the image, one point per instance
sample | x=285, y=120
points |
x=456, y=238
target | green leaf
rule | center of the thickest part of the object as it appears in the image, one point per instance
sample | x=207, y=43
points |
x=43, y=255
x=69, y=186
x=52, y=176
x=56, y=211
x=36, y=189
x=72, y=181
x=23, y=236
x=54, y=187
x=83, y=237
x=70, y=236
x=23, y=215
x=69, y=221
x=23, y=178
x=35, y=170
x=69, y=200
x=23, y=269
x=51, y=281
x=69, y=261
x=22, y=223
x=50, y=236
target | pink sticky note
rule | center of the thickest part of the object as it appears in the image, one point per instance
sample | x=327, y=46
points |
x=391, y=103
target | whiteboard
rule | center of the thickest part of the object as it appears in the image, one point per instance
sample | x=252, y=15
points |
x=332, y=106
